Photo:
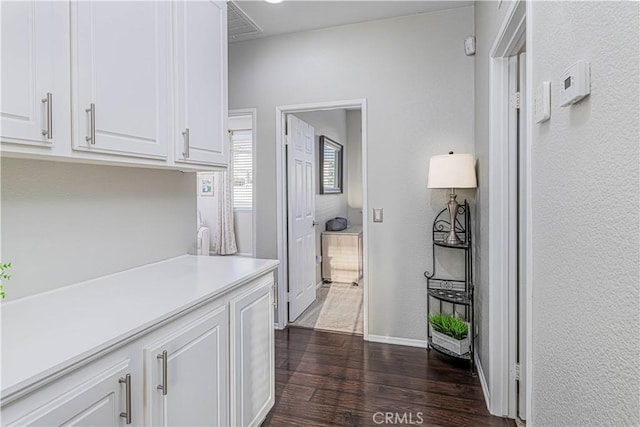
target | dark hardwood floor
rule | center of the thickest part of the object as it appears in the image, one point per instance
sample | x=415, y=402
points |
x=331, y=379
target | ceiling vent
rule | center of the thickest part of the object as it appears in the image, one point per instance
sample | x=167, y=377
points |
x=239, y=25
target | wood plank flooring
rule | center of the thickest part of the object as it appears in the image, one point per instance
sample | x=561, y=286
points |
x=332, y=379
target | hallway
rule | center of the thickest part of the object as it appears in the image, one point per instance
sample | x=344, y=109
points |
x=331, y=379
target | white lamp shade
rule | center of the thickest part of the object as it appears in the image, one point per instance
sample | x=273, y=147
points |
x=452, y=171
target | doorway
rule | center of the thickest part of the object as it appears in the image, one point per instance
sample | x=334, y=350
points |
x=242, y=142
x=291, y=120
x=509, y=218
x=335, y=267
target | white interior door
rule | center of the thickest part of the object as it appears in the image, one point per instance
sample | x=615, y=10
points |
x=301, y=207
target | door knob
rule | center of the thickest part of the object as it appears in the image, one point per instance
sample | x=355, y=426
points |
x=315, y=223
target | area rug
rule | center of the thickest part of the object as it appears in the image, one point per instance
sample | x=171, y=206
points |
x=338, y=307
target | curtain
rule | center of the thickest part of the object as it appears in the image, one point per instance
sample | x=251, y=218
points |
x=225, y=241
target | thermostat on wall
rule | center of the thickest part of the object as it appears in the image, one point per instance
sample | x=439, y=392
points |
x=575, y=83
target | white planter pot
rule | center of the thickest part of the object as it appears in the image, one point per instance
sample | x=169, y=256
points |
x=459, y=347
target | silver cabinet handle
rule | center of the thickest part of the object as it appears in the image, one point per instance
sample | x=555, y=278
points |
x=92, y=124
x=185, y=153
x=163, y=387
x=126, y=380
x=48, y=132
x=275, y=295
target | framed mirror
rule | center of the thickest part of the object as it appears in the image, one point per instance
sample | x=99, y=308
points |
x=330, y=166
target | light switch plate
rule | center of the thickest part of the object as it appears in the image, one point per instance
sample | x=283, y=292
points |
x=542, y=102
x=377, y=214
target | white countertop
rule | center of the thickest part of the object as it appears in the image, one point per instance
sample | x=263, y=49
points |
x=45, y=333
x=354, y=229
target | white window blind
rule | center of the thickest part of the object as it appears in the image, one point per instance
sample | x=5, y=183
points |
x=330, y=172
x=242, y=151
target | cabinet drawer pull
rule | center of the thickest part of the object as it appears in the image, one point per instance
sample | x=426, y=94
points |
x=126, y=380
x=163, y=386
x=92, y=124
x=185, y=153
x=48, y=132
x=275, y=295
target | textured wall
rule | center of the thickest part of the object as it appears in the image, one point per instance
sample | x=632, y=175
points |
x=332, y=123
x=419, y=87
x=586, y=290
x=488, y=18
x=63, y=222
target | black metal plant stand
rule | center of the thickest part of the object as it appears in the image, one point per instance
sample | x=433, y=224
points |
x=458, y=292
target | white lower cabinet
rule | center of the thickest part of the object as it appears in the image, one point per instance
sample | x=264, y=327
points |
x=186, y=374
x=252, y=355
x=99, y=400
x=213, y=365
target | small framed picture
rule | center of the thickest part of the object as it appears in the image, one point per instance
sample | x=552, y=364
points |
x=206, y=185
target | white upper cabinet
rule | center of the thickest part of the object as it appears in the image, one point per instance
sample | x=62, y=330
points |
x=120, y=73
x=35, y=95
x=201, y=82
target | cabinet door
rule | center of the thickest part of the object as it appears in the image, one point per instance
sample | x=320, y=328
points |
x=201, y=80
x=96, y=402
x=192, y=390
x=252, y=354
x=121, y=60
x=34, y=51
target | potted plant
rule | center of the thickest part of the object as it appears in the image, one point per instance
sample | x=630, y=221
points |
x=449, y=332
x=4, y=276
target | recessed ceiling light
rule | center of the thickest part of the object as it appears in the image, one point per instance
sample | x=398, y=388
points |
x=273, y=1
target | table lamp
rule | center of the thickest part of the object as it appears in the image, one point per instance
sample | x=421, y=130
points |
x=452, y=171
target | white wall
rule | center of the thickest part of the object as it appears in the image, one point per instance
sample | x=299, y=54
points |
x=412, y=71
x=585, y=161
x=63, y=223
x=333, y=124
x=354, y=167
x=488, y=18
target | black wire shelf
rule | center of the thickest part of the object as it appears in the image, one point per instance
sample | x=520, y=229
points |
x=439, y=349
x=452, y=296
x=462, y=245
x=458, y=292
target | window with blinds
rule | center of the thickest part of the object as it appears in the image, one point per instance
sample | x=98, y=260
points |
x=242, y=166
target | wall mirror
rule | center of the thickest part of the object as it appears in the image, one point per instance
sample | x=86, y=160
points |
x=330, y=166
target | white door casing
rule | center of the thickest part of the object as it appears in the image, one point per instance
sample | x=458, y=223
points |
x=301, y=207
x=522, y=237
x=512, y=253
x=201, y=82
x=125, y=74
x=33, y=51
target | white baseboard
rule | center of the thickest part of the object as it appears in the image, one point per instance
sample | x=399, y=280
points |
x=483, y=382
x=398, y=341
